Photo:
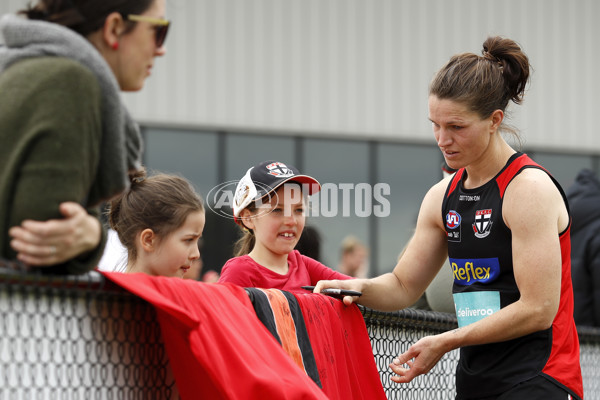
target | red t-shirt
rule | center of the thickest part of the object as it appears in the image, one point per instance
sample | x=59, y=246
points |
x=303, y=270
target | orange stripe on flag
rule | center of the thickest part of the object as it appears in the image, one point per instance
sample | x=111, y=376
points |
x=286, y=327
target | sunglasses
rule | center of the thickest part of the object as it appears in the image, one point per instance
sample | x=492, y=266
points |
x=160, y=25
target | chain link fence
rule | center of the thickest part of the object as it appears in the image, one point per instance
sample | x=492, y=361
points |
x=85, y=338
x=78, y=338
x=393, y=333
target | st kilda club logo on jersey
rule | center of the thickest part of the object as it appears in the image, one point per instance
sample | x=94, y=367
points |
x=279, y=170
x=483, y=223
x=453, y=220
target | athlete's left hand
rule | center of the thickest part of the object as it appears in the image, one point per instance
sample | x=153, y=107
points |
x=419, y=359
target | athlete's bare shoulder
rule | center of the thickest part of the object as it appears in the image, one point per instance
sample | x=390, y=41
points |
x=532, y=182
x=431, y=208
x=532, y=193
x=439, y=189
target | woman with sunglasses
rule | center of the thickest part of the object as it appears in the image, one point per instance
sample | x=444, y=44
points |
x=68, y=142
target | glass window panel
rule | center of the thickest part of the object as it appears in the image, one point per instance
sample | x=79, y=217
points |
x=563, y=167
x=245, y=150
x=334, y=210
x=410, y=171
x=192, y=154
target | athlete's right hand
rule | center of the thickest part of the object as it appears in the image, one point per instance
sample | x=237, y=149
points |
x=350, y=284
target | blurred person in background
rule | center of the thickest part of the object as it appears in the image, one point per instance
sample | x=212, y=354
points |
x=584, y=200
x=309, y=243
x=354, y=258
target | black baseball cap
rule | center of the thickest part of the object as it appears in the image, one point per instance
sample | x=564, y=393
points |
x=265, y=178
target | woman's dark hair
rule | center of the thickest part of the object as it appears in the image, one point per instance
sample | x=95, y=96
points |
x=84, y=16
x=161, y=202
x=484, y=83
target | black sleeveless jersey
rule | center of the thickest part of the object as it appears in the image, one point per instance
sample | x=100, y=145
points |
x=480, y=255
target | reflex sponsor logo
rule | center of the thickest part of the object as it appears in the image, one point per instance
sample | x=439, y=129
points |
x=468, y=271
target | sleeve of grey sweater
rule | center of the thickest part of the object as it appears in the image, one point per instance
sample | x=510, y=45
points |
x=51, y=129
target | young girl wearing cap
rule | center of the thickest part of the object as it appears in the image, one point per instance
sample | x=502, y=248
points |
x=159, y=220
x=269, y=206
